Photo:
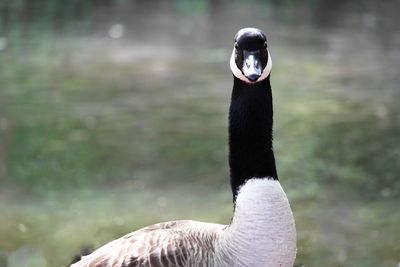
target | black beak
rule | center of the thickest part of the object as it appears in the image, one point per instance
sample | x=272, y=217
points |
x=251, y=65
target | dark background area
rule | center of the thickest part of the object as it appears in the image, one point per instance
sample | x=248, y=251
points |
x=113, y=116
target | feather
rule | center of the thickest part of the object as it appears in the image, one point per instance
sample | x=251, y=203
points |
x=175, y=243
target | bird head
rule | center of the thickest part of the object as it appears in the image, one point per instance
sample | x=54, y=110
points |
x=250, y=60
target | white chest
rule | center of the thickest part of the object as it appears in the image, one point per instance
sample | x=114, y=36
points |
x=262, y=232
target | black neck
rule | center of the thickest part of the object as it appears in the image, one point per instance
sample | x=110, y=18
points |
x=250, y=133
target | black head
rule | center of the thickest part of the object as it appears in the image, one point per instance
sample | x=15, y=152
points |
x=250, y=60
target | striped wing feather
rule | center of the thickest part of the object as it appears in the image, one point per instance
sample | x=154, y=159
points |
x=169, y=244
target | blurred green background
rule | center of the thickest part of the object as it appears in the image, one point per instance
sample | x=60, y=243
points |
x=113, y=116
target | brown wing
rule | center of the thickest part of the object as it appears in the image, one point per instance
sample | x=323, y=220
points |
x=159, y=245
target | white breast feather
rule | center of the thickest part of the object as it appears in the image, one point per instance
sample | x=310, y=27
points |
x=262, y=232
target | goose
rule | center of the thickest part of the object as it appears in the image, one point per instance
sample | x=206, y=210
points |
x=262, y=231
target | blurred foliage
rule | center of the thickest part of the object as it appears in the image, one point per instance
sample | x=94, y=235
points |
x=52, y=155
x=362, y=154
x=191, y=6
x=98, y=147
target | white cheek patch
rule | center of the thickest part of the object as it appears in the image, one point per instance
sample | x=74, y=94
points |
x=238, y=73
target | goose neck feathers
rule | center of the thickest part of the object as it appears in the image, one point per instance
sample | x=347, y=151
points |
x=250, y=133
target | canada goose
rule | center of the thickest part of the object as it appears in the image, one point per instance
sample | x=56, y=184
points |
x=262, y=231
